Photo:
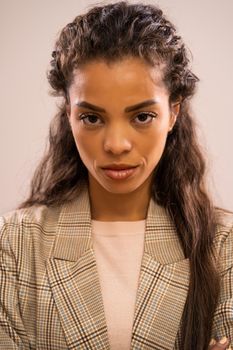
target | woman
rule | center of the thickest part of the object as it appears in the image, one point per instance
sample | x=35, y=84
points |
x=119, y=245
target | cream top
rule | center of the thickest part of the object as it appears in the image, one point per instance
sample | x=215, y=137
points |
x=118, y=247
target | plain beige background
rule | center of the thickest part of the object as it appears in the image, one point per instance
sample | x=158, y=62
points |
x=28, y=29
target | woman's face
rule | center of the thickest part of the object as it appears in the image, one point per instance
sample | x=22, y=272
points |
x=120, y=115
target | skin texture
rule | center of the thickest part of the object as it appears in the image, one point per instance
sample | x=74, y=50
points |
x=116, y=136
x=219, y=346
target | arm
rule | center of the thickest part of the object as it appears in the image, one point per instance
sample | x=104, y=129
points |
x=223, y=317
x=12, y=332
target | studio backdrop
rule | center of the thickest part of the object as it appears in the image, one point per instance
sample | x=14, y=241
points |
x=28, y=30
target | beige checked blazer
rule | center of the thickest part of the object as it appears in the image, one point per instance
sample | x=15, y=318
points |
x=50, y=291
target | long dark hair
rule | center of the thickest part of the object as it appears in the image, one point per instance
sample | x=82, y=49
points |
x=112, y=32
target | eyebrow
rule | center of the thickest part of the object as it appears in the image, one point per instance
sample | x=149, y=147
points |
x=128, y=109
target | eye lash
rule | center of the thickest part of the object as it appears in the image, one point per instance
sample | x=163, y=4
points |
x=84, y=116
x=151, y=114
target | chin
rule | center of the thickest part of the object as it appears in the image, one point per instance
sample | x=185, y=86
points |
x=119, y=188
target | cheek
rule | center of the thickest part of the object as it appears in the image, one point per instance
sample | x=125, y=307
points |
x=154, y=145
x=86, y=145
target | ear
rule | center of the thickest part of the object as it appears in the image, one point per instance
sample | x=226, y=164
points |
x=175, y=109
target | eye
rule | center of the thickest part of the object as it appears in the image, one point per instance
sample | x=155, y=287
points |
x=142, y=118
x=89, y=119
x=145, y=118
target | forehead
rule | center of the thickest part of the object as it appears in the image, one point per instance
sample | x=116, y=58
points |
x=121, y=83
x=129, y=75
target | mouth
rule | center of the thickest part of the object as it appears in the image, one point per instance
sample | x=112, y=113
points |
x=120, y=173
x=119, y=166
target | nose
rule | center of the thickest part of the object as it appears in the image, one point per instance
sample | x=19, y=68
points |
x=117, y=141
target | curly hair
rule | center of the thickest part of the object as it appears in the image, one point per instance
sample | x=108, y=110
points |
x=112, y=32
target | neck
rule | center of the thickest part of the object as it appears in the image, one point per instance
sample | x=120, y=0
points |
x=108, y=206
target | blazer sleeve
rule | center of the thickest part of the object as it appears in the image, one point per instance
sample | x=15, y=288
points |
x=12, y=332
x=223, y=318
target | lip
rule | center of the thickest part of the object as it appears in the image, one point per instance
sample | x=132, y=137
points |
x=120, y=166
x=117, y=174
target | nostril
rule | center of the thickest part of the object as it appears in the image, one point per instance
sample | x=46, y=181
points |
x=117, y=146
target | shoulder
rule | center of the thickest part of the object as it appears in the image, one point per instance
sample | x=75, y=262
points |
x=224, y=219
x=38, y=215
x=19, y=227
x=224, y=238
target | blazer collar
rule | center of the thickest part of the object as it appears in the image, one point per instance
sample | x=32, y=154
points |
x=73, y=276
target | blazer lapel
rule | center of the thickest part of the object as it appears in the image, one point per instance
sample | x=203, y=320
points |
x=73, y=278
x=75, y=285
x=163, y=284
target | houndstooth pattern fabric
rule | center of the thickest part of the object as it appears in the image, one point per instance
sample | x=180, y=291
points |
x=50, y=290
